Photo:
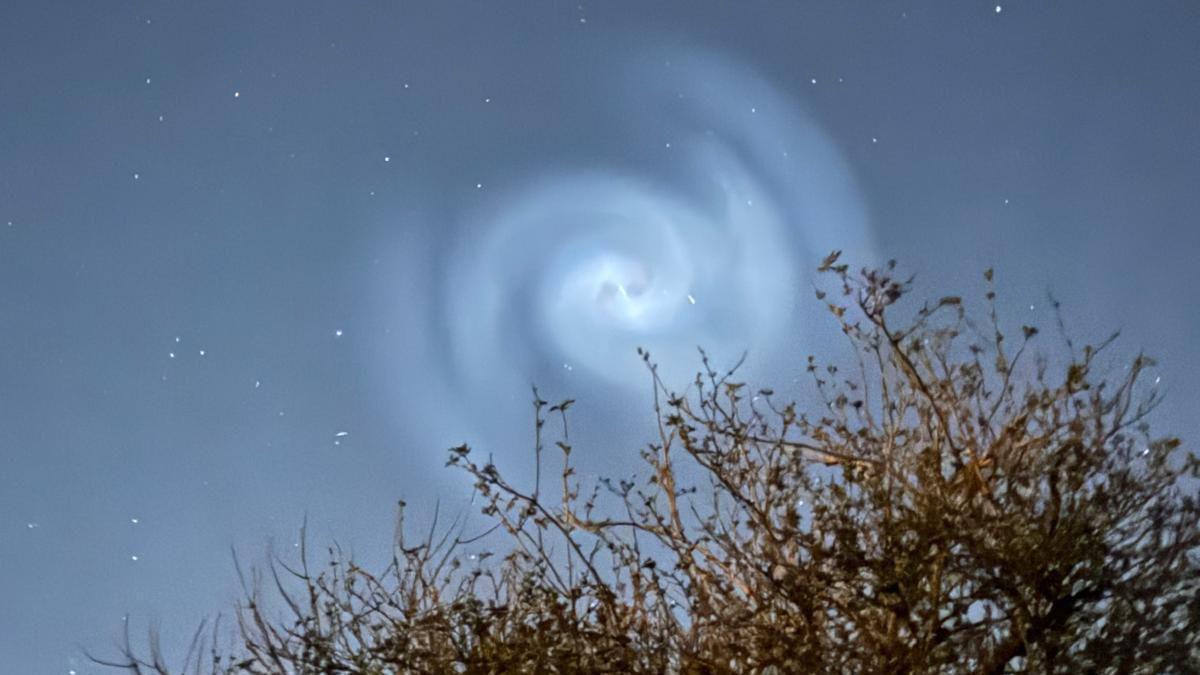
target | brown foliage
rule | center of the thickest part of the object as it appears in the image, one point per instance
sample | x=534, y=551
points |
x=957, y=505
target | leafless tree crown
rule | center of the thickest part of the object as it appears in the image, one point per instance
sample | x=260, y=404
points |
x=957, y=501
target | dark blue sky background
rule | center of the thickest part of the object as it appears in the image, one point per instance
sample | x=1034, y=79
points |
x=230, y=232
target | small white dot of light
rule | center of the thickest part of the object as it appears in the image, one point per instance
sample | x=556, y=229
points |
x=31, y=525
x=1158, y=379
x=691, y=299
x=202, y=352
x=479, y=186
x=337, y=333
x=134, y=521
x=134, y=558
x=160, y=118
x=337, y=442
x=487, y=100
x=999, y=9
x=136, y=176
x=582, y=20
x=668, y=145
x=171, y=354
x=237, y=94
x=568, y=366
x=754, y=110
x=147, y=80
x=1031, y=308
x=1005, y=201
x=372, y=193
x=257, y=384
x=1145, y=452
x=841, y=80
x=177, y=338
x=406, y=85
x=874, y=140
x=342, y=434
x=814, y=80
x=387, y=159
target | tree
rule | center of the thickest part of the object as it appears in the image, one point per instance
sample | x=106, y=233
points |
x=955, y=504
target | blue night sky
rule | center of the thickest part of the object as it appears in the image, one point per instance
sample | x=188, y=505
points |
x=263, y=260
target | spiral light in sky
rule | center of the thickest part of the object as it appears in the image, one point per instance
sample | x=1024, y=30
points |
x=564, y=272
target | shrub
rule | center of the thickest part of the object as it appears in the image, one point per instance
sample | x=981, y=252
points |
x=956, y=503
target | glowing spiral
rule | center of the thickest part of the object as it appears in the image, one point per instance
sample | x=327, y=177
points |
x=565, y=273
